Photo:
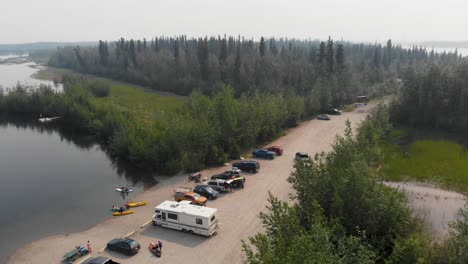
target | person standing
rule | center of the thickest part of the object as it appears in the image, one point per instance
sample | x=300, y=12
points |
x=88, y=245
x=160, y=245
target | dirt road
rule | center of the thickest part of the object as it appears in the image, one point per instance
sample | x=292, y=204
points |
x=238, y=211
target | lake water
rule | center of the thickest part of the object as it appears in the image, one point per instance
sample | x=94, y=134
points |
x=54, y=181
x=19, y=70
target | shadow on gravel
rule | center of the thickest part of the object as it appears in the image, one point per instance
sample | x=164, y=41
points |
x=117, y=255
x=175, y=236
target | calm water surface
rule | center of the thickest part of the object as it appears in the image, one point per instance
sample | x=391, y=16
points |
x=54, y=181
x=20, y=70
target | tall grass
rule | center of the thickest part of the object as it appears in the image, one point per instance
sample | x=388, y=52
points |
x=438, y=161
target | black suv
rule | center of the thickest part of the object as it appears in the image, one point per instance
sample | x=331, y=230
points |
x=124, y=245
x=247, y=165
x=207, y=191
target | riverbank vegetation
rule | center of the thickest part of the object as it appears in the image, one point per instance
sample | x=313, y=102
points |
x=164, y=133
x=441, y=162
x=343, y=214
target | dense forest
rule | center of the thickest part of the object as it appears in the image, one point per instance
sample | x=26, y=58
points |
x=326, y=73
x=434, y=95
x=323, y=225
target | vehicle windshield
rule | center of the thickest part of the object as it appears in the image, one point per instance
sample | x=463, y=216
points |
x=209, y=189
x=133, y=244
x=196, y=196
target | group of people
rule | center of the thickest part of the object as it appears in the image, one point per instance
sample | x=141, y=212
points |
x=156, y=248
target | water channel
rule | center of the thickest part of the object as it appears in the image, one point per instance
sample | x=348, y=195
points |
x=54, y=181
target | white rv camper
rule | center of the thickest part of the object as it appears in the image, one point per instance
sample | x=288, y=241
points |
x=186, y=217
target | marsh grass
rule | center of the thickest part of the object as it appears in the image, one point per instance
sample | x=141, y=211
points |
x=442, y=162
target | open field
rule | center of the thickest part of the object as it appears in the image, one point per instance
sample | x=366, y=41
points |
x=238, y=210
x=441, y=162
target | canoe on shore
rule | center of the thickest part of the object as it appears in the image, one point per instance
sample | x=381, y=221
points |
x=123, y=213
x=136, y=204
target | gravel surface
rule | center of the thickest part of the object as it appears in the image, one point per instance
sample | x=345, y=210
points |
x=238, y=211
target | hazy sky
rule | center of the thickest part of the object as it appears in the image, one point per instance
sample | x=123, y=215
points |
x=368, y=20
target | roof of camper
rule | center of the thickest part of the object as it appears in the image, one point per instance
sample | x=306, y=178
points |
x=187, y=208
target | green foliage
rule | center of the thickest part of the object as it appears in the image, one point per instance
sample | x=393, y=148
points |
x=435, y=96
x=342, y=214
x=162, y=132
x=441, y=162
x=454, y=250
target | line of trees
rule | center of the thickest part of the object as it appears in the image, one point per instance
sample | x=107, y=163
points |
x=331, y=72
x=434, y=95
x=342, y=214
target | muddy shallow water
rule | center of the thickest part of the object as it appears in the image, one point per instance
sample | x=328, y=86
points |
x=435, y=206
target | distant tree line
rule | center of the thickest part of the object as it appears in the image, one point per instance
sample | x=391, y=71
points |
x=341, y=213
x=434, y=95
x=326, y=73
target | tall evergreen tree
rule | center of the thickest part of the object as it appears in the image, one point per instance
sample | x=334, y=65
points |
x=340, y=56
x=262, y=47
x=322, y=53
x=330, y=56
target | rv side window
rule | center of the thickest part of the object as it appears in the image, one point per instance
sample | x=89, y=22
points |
x=212, y=218
x=199, y=221
x=172, y=216
x=164, y=216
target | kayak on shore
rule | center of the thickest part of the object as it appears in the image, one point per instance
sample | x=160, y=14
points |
x=123, y=213
x=136, y=204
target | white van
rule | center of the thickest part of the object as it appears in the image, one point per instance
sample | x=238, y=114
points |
x=187, y=217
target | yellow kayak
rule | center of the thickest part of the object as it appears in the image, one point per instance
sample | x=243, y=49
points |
x=136, y=204
x=123, y=213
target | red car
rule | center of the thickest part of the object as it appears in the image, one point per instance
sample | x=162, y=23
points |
x=276, y=149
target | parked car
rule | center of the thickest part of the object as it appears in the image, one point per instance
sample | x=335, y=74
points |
x=302, y=156
x=229, y=174
x=238, y=182
x=276, y=149
x=206, y=191
x=334, y=112
x=219, y=184
x=263, y=153
x=194, y=198
x=100, y=260
x=323, y=117
x=248, y=165
x=124, y=245
x=362, y=99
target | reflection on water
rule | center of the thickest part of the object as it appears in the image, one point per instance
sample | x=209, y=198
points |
x=84, y=141
x=57, y=180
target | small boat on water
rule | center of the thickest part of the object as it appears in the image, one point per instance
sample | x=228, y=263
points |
x=136, y=204
x=123, y=213
x=47, y=119
x=121, y=190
